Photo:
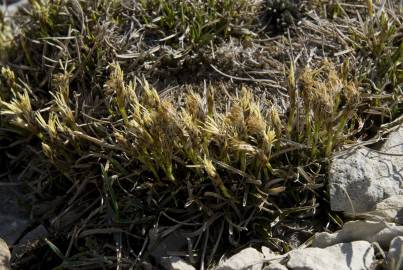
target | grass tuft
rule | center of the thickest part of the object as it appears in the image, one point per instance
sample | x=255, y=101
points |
x=145, y=118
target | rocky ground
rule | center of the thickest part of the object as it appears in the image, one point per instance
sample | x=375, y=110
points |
x=365, y=185
x=373, y=239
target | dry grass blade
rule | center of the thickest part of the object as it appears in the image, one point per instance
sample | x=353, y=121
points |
x=193, y=116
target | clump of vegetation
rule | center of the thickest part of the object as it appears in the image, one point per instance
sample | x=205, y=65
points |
x=183, y=34
x=192, y=23
x=379, y=39
x=282, y=13
x=226, y=167
x=6, y=37
x=82, y=110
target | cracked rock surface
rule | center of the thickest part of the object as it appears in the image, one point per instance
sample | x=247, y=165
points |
x=247, y=259
x=360, y=179
x=370, y=231
x=345, y=256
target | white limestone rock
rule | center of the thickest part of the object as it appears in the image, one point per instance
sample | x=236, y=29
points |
x=247, y=259
x=4, y=255
x=390, y=209
x=344, y=256
x=176, y=263
x=370, y=231
x=361, y=179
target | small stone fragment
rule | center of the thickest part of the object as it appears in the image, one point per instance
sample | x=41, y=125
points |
x=370, y=231
x=176, y=263
x=4, y=256
x=394, y=143
x=390, y=209
x=247, y=259
x=268, y=253
x=345, y=256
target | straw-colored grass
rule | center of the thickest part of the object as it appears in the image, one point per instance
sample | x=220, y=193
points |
x=135, y=120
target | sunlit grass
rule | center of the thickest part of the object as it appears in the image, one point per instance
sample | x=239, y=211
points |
x=228, y=160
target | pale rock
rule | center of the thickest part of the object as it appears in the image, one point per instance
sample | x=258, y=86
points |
x=4, y=255
x=394, y=143
x=247, y=259
x=390, y=209
x=360, y=179
x=176, y=263
x=269, y=254
x=12, y=6
x=370, y=231
x=357, y=255
x=275, y=266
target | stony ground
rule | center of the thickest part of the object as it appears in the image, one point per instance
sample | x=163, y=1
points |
x=168, y=134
